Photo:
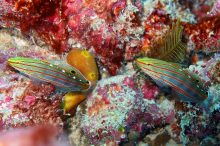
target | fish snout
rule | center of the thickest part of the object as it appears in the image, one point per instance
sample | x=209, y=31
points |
x=11, y=61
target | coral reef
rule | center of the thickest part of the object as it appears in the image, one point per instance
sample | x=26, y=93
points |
x=207, y=69
x=101, y=40
x=205, y=34
x=117, y=112
x=100, y=26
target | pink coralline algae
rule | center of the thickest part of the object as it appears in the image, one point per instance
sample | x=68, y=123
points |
x=31, y=105
x=150, y=91
x=115, y=108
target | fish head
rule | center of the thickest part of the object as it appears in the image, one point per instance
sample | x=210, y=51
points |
x=147, y=63
x=151, y=67
x=16, y=60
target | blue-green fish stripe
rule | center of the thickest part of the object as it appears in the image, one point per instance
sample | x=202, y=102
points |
x=184, y=85
x=51, y=73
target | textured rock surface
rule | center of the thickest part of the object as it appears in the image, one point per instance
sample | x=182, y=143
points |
x=117, y=111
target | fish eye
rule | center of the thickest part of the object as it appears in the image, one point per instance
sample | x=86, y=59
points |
x=72, y=71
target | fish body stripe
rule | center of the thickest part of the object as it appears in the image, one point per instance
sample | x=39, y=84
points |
x=179, y=85
x=173, y=75
x=188, y=83
x=170, y=68
x=181, y=94
x=48, y=66
x=167, y=81
x=50, y=78
x=45, y=70
x=177, y=73
x=50, y=73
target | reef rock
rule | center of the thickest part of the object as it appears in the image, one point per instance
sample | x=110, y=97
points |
x=118, y=112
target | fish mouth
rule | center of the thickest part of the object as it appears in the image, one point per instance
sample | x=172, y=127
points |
x=15, y=60
x=11, y=61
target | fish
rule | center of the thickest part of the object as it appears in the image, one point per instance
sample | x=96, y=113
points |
x=185, y=85
x=58, y=75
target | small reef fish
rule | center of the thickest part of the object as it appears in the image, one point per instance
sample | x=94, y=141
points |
x=85, y=63
x=43, y=70
x=184, y=84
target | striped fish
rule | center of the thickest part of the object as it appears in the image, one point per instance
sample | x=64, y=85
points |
x=184, y=84
x=57, y=75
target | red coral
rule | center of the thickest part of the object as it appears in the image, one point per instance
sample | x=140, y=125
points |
x=111, y=55
x=201, y=11
x=206, y=33
x=156, y=26
x=58, y=21
x=118, y=7
x=45, y=17
x=101, y=8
